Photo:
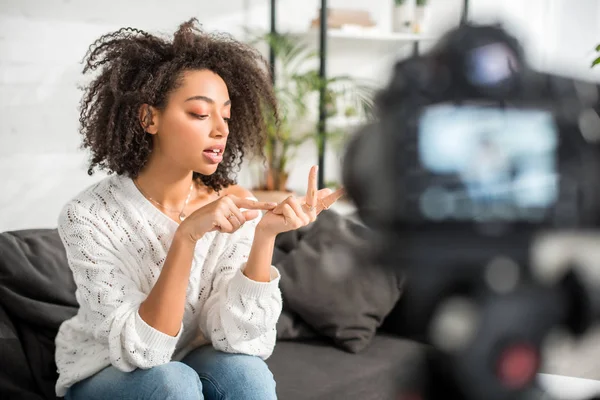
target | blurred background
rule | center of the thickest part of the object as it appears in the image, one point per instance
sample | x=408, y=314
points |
x=42, y=44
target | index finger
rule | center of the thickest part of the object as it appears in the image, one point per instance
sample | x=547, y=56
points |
x=311, y=194
x=326, y=202
x=250, y=204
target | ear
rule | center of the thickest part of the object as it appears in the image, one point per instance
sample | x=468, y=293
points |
x=149, y=119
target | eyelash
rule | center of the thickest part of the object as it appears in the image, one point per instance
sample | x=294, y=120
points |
x=203, y=117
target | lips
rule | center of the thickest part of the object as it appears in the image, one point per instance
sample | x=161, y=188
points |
x=214, y=154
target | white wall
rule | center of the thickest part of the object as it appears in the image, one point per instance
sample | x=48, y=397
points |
x=41, y=46
x=42, y=43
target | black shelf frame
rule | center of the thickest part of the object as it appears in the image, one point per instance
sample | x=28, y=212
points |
x=322, y=123
x=321, y=127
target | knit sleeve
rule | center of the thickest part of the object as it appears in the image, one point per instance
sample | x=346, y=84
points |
x=240, y=315
x=108, y=292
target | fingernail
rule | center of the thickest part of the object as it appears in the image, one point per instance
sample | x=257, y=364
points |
x=272, y=204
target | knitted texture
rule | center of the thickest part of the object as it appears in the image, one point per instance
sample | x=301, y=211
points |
x=116, y=243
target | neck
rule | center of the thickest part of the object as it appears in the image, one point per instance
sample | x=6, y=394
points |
x=165, y=184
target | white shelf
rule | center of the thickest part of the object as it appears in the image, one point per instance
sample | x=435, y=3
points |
x=377, y=36
x=368, y=35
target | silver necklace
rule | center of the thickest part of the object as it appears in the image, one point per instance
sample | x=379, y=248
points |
x=182, y=215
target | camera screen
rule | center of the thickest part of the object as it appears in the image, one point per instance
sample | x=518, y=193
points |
x=490, y=64
x=487, y=163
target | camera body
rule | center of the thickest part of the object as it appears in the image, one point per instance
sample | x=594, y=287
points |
x=477, y=169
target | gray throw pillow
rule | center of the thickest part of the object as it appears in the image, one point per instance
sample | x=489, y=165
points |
x=330, y=280
x=291, y=327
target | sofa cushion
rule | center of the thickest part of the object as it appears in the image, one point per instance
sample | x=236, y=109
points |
x=37, y=293
x=291, y=327
x=35, y=279
x=16, y=381
x=332, y=283
x=318, y=371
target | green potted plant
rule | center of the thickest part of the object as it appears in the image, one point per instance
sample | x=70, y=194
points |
x=297, y=87
x=597, y=59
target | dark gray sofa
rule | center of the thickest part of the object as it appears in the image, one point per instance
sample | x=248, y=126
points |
x=37, y=294
x=317, y=370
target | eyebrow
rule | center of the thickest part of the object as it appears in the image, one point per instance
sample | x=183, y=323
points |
x=207, y=99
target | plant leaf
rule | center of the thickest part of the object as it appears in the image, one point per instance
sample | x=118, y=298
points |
x=297, y=85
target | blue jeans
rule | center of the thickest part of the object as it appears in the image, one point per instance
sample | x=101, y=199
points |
x=204, y=374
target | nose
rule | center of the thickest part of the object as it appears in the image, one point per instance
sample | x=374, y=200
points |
x=220, y=128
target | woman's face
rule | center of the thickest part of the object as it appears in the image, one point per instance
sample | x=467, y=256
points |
x=191, y=132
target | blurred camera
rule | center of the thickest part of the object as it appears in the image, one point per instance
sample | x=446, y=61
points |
x=481, y=178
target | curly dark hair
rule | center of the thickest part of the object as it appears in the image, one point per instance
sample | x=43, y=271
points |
x=138, y=68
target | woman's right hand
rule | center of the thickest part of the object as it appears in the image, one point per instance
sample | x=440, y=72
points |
x=223, y=214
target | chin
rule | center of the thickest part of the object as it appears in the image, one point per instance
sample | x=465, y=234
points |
x=206, y=169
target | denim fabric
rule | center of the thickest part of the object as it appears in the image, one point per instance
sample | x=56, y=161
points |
x=204, y=374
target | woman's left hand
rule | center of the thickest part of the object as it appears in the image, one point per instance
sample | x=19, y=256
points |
x=294, y=213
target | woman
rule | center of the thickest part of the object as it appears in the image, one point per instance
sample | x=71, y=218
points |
x=168, y=254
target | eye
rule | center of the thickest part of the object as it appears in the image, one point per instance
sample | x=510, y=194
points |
x=227, y=120
x=199, y=116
